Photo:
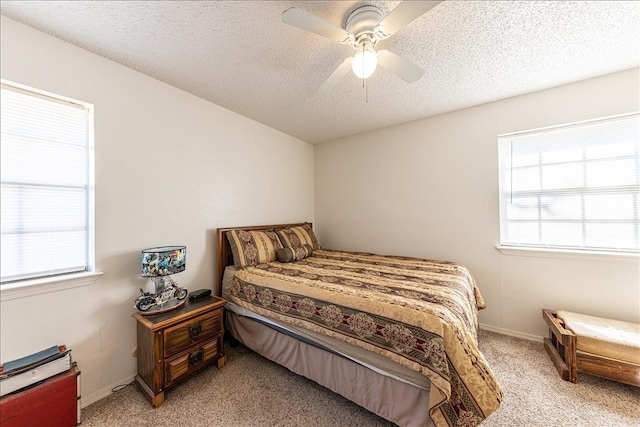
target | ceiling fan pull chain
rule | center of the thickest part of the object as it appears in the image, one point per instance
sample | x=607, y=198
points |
x=363, y=66
x=366, y=88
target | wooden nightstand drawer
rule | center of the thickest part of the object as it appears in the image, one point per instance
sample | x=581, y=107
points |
x=189, y=362
x=199, y=329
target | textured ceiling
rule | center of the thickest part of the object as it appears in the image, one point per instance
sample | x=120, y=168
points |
x=239, y=54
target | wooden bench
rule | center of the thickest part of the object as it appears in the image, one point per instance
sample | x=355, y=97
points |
x=602, y=347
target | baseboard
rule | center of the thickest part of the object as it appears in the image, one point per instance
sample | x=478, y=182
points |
x=86, y=400
x=511, y=333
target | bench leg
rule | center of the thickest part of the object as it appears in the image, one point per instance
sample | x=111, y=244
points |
x=556, y=359
x=571, y=359
x=561, y=347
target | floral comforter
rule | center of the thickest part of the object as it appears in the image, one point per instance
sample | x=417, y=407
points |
x=420, y=313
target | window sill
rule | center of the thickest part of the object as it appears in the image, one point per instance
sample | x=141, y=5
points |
x=29, y=288
x=626, y=257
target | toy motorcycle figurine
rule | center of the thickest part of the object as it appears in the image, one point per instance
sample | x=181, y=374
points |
x=170, y=292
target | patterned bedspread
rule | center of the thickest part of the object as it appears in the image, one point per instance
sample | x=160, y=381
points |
x=420, y=313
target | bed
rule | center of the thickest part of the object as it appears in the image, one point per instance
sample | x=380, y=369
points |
x=395, y=335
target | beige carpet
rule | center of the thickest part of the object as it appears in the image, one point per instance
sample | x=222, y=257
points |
x=252, y=391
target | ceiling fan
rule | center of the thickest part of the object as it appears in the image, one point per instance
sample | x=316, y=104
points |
x=365, y=27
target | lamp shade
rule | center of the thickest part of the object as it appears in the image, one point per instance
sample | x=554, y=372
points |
x=163, y=260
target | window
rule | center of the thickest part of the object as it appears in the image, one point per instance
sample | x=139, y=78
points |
x=573, y=187
x=46, y=175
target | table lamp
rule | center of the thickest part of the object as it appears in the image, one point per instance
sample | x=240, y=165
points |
x=158, y=264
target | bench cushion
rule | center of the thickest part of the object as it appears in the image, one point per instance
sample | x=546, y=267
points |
x=613, y=339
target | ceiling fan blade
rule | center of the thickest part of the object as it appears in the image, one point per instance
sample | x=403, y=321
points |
x=308, y=22
x=401, y=16
x=336, y=76
x=399, y=66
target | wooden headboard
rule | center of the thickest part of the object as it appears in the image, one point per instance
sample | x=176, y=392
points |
x=225, y=256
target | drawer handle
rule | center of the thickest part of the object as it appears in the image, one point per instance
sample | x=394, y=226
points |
x=195, y=358
x=195, y=330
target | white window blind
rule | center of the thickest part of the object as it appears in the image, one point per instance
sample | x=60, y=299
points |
x=574, y=187
x=46, y=185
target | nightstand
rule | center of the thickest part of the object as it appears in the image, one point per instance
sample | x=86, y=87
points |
x=174, y=345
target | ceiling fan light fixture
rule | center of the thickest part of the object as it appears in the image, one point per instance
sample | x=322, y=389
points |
x=365, y=26
x=365, y=61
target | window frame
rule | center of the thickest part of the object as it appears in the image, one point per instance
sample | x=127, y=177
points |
x=18, y=288
x=558, y=250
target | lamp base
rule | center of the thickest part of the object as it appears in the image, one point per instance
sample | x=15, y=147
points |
x=162, y=282
x=168, y=296
x=168, y=306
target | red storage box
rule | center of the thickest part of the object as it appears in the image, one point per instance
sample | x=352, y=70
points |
x=55, y=402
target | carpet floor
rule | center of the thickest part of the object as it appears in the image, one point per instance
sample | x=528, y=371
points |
x=253, y=391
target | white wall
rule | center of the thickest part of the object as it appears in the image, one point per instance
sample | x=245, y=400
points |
x=429, y=188
x=170, y=169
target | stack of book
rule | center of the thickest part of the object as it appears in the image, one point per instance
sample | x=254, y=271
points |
x=33, y=369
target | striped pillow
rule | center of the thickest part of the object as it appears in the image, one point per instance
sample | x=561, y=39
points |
x=253, y=247
x=298, y=236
